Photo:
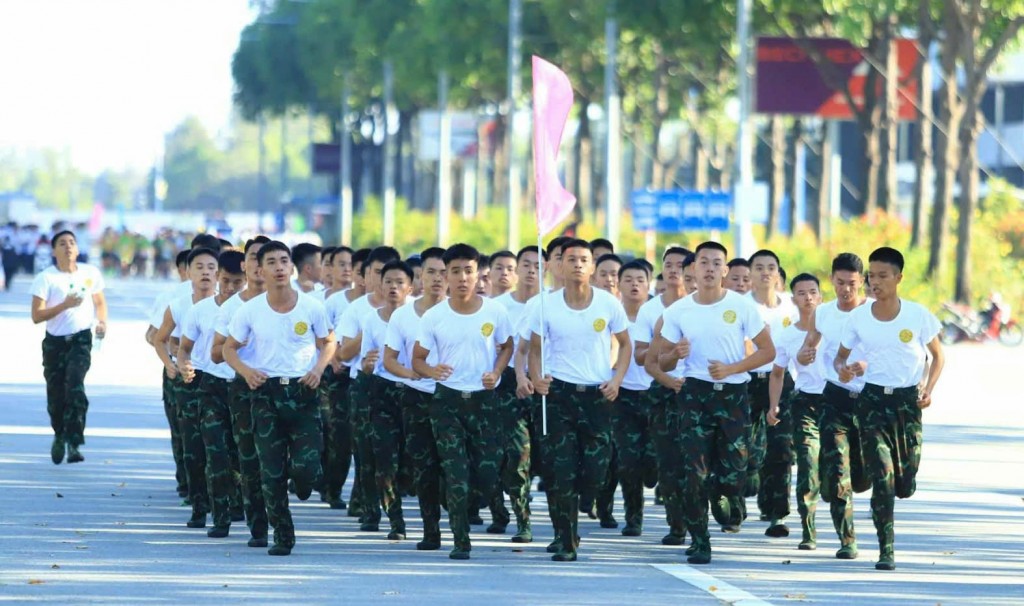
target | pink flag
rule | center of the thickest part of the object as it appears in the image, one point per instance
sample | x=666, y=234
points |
x=552, y=100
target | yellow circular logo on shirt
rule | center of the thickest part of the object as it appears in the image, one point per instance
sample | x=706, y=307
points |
x=906, y=336
x=599, y=324
x=729, y=316
x=487, y=329
x=786, y=322
x=88, y=283
x=301, y=328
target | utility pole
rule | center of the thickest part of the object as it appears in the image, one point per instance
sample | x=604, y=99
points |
x=515, y=18
x=345, y=169
x=613, y=146
x=388, y=237
x=742, y=192
x=444, y=163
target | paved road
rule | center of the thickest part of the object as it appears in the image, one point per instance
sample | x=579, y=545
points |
x=112, y=529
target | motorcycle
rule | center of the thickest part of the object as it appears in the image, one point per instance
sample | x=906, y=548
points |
x=961, y=323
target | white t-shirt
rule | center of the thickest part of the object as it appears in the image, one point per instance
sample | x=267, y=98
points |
x=636, y=377
x=517, y=317
x=895, y=351
x=374, y=330
x=403, y=330
x=223, y=325
x=199, y=326
x=578, y=343
x=178, y=308
x=348, y=326
x=466, y=342
x=53, y=286
x=716, y=332
x=646, y=319
x=336, y=305
x=808, y=378
x=777, y=318
x=156, y=312
x=283, y=344
x=830, y=321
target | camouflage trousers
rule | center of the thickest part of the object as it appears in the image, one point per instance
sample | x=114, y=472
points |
x=514, y=435
x=193, y=451
x=334, y=414
x=665, y=410
x=421, y=448
x=892, y=432
x=223, y=474
x=712, y=426
x=170, y=399
x=467, y=444
x=240, y=403
x=771, y=451
x=364, y=489
x=577, y=451
x=634, y=446
x=805, y=411
x=66, y=360
x=289, y=440
x=387, y=439
x=842, y=461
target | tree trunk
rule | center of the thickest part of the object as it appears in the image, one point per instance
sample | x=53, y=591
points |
x=661, y=107
x=824, y=185
x=969, y=132
x=501, y=154
x=946, y=145
x=701, y=178
x=887, y=186
x=798, y=184
x=777, y=169
x=923, y=162
x=585, y=164
x=872, y=161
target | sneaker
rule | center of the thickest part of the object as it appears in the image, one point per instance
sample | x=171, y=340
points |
x=886, y=561
x=497, y=528
x=777, y=530
x=554, y=546
x=475, y=519
x=807, y=546
x=279, y=550
x=73, y=455
x=730, y=528
x=303, y=492
x=198, y=520
x=632, y=531
x=369, y=527
x=524, y=534
x=564, y=556
x=459, y=554
x=700, y=556
x=218, y=532
x=57, y=450
x=692, y=549
x=396, y=535
x=257, y=542
x=673, y=539
x=336, y=504
x=609, y=522
x=848, y=552
x=429, y=544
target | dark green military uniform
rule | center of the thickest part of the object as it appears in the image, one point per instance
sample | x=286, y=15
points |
x=637, y=465
x=421, y=448
x=193, y=448
x=387, y=441
x=66, y=360
x=170, y=400
x=366, y=472
x=665, y=410
x=334, y=413
x=804, y=410
x=240, y=404
x=892, y=433
x=842, y=462
x=774, y=465
x=467, y=443
x=712, y=430
x=515, y=435
x=222, y=464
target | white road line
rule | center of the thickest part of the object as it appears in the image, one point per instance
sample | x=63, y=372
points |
x=98, y=432
x=721, y=590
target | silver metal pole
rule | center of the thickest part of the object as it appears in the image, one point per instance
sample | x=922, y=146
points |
x=444, y=164
x=388, y=237
x=613, y=146
x=345, y=169
x=744, y=243
x=515, y=18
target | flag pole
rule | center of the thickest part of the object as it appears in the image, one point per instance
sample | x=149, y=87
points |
x=540, y=270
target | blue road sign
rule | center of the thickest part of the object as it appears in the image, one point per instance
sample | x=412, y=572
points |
x=675, y=210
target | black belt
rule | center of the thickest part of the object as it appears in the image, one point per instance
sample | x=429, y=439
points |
x=701, y=385
x=759, y=376
x=465, y=395
x=893, y=391
x=564, y=385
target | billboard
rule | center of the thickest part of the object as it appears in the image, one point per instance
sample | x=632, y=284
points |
x=789, y=81
x=674, y=210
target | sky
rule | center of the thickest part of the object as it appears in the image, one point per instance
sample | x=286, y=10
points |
x=106, y=79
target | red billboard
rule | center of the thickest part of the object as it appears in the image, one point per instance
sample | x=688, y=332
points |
x=789, y=81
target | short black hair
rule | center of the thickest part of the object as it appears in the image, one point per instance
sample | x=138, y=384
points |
x=533, y=249
x=484, y=260
x=381, y=254
x=782, y=274
x=738, y=262
x=181, y=258
x=676, y=250
x=847, y=261
x=303, y=253
x=359, y=257
x=689, y=260
x=434, y=252
x=206, y=241
x=260, y=239
x=202, y=250
x=647, y=264
x=557, y=244
x=608, y=257
x=710, y=245
x=576, y=243
x=659, y=277
x=270, y=247
x=343, y=249
x=231, y=261
x=461, y=252
x=804, y=277
x=888, y=255
x=502, y=254
x=327, y=253
x=602, y=243
x=398, y=265
x=414, y=261
x=764, y=252
x=65, y=232
x=634, y=264
x=224, y=244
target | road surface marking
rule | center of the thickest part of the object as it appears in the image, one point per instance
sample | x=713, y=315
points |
x=721, y=590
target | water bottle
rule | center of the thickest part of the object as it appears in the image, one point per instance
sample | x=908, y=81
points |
x=97, y=343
